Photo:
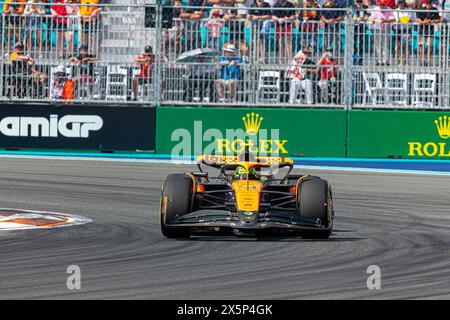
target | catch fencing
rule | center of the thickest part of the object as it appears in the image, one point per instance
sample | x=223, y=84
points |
x=224, y=56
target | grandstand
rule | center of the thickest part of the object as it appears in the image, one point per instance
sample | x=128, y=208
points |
x=290, y=56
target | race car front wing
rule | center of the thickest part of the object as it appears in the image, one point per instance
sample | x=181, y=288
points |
x=246, y=220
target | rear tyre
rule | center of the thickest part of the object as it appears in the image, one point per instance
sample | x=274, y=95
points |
x=315, y=203
x=176, y=197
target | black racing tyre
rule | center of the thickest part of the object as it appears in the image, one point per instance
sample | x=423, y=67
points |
x=178, y=190
x=314, y=200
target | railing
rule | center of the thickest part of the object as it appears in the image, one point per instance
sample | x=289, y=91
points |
x=292, y=62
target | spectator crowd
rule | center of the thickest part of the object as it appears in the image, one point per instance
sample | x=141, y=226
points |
x=303, y=39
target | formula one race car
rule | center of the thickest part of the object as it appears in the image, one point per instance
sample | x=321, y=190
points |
x=246, y=199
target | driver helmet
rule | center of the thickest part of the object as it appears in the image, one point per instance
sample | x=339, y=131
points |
x=240, y=173
x=253, y=174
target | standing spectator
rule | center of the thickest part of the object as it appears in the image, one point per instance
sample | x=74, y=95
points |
x=310, y=20
x=59, y=13
x=196, y=8
x=214, y=25
x=1, y=23
x=170, y=31
x=62, y=87
x=72, y=21
x=284, y=19
x=13, y=20
x=146, y=65
x=391, y=4
x=332, y=16
x=381, y=18
x=427, y=20
x=88, y=13
x=328, y=70
x=234, y=22
x=444, y=5
x=298, y=79
x=260, y=15
x=403, y=32
x=34, y=15
x=230, y=73
x=360, y=16
x=191, y=24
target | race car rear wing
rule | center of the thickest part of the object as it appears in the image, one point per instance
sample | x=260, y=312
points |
x=217, y=161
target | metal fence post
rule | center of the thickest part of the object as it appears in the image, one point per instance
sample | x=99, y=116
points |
x=348, y=58
x=159, y=54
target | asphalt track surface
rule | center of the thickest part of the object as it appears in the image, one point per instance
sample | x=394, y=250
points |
x=399, y=222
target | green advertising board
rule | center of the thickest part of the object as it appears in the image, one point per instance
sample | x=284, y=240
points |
x=408, y=134
x=287, y=132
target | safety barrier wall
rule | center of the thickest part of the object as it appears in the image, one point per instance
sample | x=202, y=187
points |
x=405, y=134
x=87, y=127
x=284, y=132
x=183, y=131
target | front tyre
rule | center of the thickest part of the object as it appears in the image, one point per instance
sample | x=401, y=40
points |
x=315, y=202
x=176, y=200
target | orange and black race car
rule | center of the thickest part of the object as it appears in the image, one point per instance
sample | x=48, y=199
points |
x=246, y=198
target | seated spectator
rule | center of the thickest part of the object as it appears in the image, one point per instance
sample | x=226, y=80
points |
x=427, y=20
x=332, y=17
x=381, y=18
x=328, y=71
x=146, y=63
x=23, y=76
x=63, y=87
x=261, y=17
x=298, y=79
x=88, y=13
x=284, y=20
x=85, y=67
x=230, y=72
x=201, y=75
x=13, y=20
x=403, y=31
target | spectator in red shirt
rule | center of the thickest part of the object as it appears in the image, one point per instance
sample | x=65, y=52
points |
x=389, y=3
x=328, y=77
x=146, y=62
x=60, y=13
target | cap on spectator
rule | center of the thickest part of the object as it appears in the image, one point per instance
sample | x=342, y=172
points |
x=60, y=69
x=401, y=1
x=148, y=49
x=229, y=48
x=83, y=47
x=307, y=50
x=384, y=2
x=18, y=44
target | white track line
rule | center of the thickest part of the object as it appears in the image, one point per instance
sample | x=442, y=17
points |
x=188, y=162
